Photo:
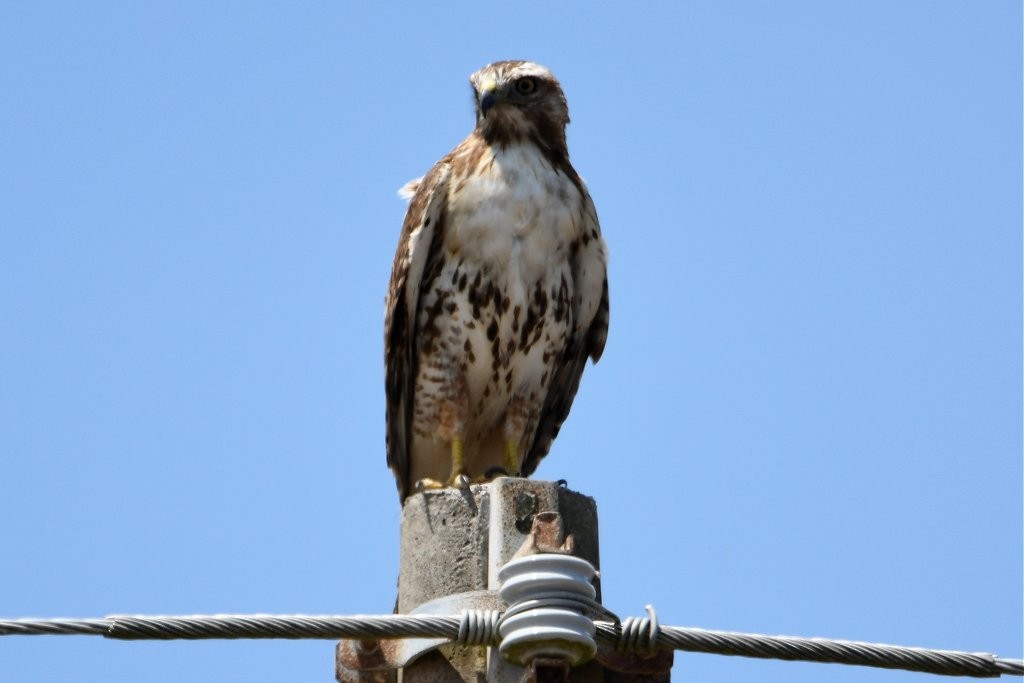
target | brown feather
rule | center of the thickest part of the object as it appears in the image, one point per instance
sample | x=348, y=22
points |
x=426, y=216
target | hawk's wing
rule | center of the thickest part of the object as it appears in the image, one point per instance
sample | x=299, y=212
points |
x=419, y=246
x=588, y=334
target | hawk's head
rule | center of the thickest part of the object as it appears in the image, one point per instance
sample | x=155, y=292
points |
x=518, y=100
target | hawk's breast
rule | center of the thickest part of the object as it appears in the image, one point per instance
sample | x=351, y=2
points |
x=515, y=205
x=503, y=291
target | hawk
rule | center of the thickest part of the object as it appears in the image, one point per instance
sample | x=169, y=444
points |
x=498, y=293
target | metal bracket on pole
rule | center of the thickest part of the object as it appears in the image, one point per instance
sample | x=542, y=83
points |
x=375, y=660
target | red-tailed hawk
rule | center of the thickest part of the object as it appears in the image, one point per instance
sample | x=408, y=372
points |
x=498, y=294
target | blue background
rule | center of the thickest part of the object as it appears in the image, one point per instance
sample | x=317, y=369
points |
x=808, y=416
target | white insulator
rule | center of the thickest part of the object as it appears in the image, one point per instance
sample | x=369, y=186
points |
x=542, y=619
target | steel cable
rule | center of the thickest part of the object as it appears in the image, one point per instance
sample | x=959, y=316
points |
x=639, y=634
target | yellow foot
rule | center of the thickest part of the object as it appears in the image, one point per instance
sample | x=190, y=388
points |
x=458, y=476
x=512, y=458
x=458, y=481
x=428, y=485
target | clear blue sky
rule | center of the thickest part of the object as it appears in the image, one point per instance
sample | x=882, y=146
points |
x=808, y=417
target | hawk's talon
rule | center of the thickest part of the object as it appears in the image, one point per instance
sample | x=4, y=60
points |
x=461, y=480
x=428, y=485
x=493, y=473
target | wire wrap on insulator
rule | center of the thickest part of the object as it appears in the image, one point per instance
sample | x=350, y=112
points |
x=640, y=634
x=550, y=597
x=478, y=627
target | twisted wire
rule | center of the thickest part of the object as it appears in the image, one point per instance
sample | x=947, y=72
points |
x=54, y=627
x=944, y=662
x=639, y=634
x=232, y=626
x=480, y=628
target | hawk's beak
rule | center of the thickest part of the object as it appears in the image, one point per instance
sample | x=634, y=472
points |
x=488, y=96
x=487, y=101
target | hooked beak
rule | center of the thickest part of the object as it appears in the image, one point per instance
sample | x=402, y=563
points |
x=488, y=96
x=487, y=101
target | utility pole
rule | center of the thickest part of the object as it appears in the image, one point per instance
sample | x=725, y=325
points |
x=454, y=542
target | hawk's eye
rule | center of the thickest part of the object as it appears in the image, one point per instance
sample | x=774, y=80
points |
x=526, y=86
